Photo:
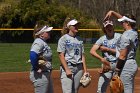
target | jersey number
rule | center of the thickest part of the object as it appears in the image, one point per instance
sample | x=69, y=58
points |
x=76, y=51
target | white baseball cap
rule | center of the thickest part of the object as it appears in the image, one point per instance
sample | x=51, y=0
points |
x=44, y=29
x=108, y=22
x=124, y=18
x=72, y=22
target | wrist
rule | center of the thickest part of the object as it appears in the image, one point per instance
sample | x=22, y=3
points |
x=108, y=49
x=117, y=70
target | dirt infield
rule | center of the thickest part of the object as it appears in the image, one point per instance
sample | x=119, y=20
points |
x=18, y=82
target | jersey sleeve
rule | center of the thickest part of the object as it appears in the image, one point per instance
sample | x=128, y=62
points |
x=99, y=41
x=83, y=51
x=61, y=45
x=34, y=60
x=37, y=46
x=124, y=42
x=36, y=49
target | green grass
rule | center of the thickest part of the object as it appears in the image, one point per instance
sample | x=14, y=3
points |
x=13, y=57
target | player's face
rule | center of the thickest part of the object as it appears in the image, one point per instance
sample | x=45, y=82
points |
x=74, y=28
x=125, y=25
x=46, y=35
x=109, y=31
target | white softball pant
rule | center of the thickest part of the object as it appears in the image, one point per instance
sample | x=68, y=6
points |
x=42, y=82
x=105, y=78
x=71, y=85
x=128, y=75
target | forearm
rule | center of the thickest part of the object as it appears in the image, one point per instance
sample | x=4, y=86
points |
x=112, y=50
x=106, y=49
x=121, y=61
x=93, y=53
x=84, y=63
x=112, y=13
x=116, y=14
x=34, y=60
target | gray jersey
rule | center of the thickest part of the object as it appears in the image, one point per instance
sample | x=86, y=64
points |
x=129, y=39
x=72, y=47
x=110, y=43
x=40, y=47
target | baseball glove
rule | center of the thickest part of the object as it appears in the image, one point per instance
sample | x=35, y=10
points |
x=41, y=61
x=116, y=85
x=85, y=80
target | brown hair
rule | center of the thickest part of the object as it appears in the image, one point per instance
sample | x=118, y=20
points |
x=38, y=27
x=132, y=24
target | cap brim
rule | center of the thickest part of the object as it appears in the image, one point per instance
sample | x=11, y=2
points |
x=72, y=23
x=48, y=29
x=121, y=19
x=124, y=18
x=108, y=24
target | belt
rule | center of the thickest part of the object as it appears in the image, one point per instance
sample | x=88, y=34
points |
x=131, y=58
x=113, y=61
x=71, y=64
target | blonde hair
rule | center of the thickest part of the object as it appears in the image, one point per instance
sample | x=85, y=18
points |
x=65, y=29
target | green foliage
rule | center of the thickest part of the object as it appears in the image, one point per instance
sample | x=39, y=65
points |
x=25, y=14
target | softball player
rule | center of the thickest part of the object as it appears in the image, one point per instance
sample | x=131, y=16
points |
x=127, y=46
x=71, y=54
x=41, y=78
x=107, y=45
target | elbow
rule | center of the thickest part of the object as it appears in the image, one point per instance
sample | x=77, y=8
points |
x=92, y=52
x=61, y=55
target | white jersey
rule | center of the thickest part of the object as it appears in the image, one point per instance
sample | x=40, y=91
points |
x=41, y=47
x=129, y=39
x=72, y=47
x=110, y=43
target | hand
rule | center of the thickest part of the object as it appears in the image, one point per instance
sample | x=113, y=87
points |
x=106, y=68
x=39, y=70
x=108, y=15
x=105, y=62
x=68, y=73
x=117, y=71
x=86, y=74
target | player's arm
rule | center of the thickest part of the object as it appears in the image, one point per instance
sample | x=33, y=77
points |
x=61, y=51
x=124, y=48
x=34, y=60
x=84, y=63
x=112, y=13
x=64, y=64
x=35, y=53
x=106, y=49
x=121, y=60
x=94, y=53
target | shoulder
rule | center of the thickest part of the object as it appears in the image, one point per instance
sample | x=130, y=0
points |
x=63, y=38
x=118, y=35
x=38, y=40
x=102, y=37
x=37, y=44
x=130, y=34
